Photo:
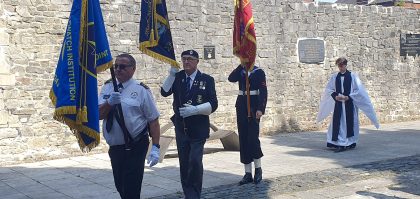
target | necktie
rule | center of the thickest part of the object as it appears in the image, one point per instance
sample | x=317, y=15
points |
x=188, y=87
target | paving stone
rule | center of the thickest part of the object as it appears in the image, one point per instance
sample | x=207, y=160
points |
x=299, y=169
x=332, y=183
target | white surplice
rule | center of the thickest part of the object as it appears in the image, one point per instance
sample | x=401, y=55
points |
x=361, y=101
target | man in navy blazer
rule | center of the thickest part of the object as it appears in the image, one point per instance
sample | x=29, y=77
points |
x=195, y=99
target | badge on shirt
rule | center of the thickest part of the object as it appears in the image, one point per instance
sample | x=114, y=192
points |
x=199, y=99
x=134, y=95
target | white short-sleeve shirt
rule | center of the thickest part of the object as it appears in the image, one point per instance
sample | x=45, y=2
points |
x=138, y=106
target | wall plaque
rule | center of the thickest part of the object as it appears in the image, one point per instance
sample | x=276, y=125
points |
x=209, y=52
x=311, y=51
x=409, y=44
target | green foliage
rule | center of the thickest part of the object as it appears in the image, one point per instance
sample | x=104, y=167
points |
x=399, y=3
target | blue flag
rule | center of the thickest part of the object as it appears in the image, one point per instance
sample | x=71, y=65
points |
x=155, y=34
x=84, y=53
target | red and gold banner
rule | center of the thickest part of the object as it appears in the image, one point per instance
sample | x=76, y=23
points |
x=244, y=39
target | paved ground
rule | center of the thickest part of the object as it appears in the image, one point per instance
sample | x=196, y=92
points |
x=385, y=164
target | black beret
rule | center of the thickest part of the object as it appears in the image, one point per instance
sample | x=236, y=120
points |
x=190, y=53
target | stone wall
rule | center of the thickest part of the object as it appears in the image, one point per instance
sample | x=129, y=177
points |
x=31, y=32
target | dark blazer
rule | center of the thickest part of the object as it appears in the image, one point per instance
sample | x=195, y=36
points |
x=203, y=90
x=256, y=82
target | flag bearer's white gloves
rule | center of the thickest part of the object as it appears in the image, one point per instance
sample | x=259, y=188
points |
x=153, y=158
x=189, y=110
x=167, y=84
x=114, y=98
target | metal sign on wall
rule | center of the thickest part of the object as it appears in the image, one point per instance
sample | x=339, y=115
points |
x=409, y=44
x=311, y=51
x=209, y=52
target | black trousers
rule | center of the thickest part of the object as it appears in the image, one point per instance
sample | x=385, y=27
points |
x=190, y=154
x=249, y=130
x=128, y=167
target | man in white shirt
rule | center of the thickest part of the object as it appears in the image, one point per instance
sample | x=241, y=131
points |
x=129, y=142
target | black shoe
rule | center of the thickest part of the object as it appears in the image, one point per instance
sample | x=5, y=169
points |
x=246, y=179
x=352, y=146
x=340, y=149
x=257, y=175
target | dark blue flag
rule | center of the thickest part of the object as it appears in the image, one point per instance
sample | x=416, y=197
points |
x=155, y=34
x=84, y=53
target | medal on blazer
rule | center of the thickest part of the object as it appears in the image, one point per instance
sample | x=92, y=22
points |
x=199, y=99
x=202, y=85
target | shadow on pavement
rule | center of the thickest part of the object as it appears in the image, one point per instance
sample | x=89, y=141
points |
x=250, y=191
x=173, y=153
x=48, y=182
x=377, y=195
x=373, y=145
x=408, y=182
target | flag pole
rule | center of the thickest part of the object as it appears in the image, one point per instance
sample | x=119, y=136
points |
x=248, y=94
x=120, y=119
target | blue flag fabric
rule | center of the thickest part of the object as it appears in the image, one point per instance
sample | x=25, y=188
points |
x=84, y=53
x=155, y=34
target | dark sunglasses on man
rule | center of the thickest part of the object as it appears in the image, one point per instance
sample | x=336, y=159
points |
x=120, y=66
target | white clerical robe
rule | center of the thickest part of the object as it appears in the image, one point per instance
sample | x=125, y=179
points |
x=361, y=101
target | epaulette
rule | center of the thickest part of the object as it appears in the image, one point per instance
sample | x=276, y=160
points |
x=108, y=81
x=144, y=85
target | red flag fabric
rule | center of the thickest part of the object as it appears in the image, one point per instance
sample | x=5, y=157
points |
x=244, y=38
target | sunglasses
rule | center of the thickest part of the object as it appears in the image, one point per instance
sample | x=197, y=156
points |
x=120, y=66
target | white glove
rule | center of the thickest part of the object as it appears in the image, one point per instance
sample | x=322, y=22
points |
x=153, y=158
x=189, y=110
x=167, y=84
x=173, y=71
x=114, y=98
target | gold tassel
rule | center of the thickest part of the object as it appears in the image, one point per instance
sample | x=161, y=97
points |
x=79, y=116
x=84, y=116
x=77, y=129
x=53, y=97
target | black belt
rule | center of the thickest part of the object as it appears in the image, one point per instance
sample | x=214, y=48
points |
x=135, y=140
x=142, y=134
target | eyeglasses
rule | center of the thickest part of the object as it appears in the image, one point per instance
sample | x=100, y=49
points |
x=184, y=59
x=120, y=66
